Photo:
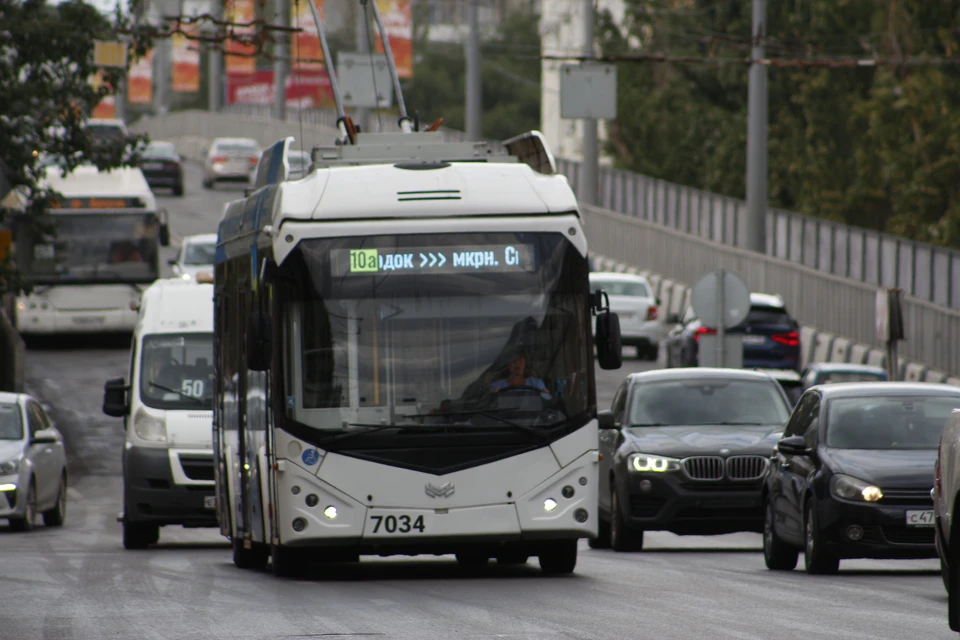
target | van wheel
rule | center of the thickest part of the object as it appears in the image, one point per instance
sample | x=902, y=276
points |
x=286, y=563
x=472, y=559
x=559, y=558
x=139, y=535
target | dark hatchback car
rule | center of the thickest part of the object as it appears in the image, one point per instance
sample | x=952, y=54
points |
x=852, y=475
x=162, y=166
x=771, y=336
x=686, y=450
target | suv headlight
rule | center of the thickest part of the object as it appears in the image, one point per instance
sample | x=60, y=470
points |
x=9, y=467
x=148, y=427
x=650, y=463
x=850, y=488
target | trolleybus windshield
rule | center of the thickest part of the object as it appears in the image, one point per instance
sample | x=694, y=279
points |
x=431, y=331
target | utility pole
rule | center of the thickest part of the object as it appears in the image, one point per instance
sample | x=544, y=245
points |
x=590, y=147
x=280, y=62
x=214, y=64
x=363, y=46
x=474, y=96
x=756, y=236
x=161, y=75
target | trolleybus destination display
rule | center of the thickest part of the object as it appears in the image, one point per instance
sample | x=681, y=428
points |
x=439, y=260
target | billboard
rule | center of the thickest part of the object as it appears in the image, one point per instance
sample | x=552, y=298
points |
x=304, y=90
x=307, y=52
x=140, y=80
x=397, y=16
x=240, y=12
x=186, y=62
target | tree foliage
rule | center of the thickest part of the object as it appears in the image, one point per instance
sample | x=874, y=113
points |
x=510, y=79
x=46, y=62
x=877, y=147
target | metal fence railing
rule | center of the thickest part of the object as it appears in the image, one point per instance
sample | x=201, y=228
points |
x=922, y=270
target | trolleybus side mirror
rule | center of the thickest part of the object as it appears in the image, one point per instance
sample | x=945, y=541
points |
x=609, y=345
x=164, y=235
x=259, y=342
x=115, y=398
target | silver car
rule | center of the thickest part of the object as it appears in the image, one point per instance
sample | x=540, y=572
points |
x=33, y=464
x=230, y=160
x=195, y=256
x=631, y=297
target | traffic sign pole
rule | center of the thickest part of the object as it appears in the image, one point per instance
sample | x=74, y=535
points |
x=721, y=276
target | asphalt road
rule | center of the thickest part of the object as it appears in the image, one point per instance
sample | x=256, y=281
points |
x=78, y=583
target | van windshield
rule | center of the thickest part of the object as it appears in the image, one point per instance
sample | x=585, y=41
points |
x=176, y=371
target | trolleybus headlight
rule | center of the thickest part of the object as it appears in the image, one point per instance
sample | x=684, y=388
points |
x=330, y=512
x=549, y=504
x=149, y=428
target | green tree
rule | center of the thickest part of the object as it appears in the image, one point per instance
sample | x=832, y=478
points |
x=870, y=146
x=46, y=61
x=510, y=79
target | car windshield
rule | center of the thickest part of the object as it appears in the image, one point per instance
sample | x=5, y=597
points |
x=465, y=329
x=618, y=288
x=199, y=252
x=830, y=377
x=884, y=423
x=91, y=247
x=707, y=401
x=176, y=371
x=11, y=426
x=160, y=150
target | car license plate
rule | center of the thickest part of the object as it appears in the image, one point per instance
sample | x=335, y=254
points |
x=397, y=523
x=209, y=502
x=152, y=166
x=88, y=320
x=754, y=340
x=920, y=518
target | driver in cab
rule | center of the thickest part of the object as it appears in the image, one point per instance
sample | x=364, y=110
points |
x=517, y=378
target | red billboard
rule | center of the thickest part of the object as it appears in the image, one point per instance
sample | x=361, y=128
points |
x=304, y=90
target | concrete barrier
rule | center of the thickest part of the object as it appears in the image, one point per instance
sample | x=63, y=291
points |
x=876, y=358
x=808, y=340
x=938, y=377
x=840, y=351
x=913, y=372
x=823, y=342
x=858, y=354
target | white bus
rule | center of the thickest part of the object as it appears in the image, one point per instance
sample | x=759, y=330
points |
x=88, y=264
x=404, y=360
x=167, y=412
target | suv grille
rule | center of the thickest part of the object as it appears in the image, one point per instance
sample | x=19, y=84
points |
x=733, y=468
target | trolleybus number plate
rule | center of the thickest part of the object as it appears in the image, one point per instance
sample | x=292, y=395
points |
x=386, y=524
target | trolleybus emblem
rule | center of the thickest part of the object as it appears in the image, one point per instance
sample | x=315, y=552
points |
x=443, y=491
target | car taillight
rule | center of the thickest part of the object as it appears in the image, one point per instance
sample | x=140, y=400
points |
x=703, y=331
x=791, y=339
x=652, y=313
x=170, y=165
x=253, y=162
x=220, y=159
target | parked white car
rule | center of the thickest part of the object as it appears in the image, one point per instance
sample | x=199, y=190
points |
x=195, y=256
x=33, y=464
x=631, y=297
x=230, y=160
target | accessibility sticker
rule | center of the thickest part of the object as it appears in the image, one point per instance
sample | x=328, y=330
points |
x=310, y=457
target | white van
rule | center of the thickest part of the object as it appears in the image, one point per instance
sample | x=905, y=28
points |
x=167, y=411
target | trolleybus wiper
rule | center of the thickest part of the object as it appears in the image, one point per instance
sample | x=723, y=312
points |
x=179, y=393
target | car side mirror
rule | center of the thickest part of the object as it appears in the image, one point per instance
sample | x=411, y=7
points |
x=115, y=398
x=673, y=318
x=605, y=419
x=44, y=436
x=793, y=446
x=259, y=342
x=608, y=340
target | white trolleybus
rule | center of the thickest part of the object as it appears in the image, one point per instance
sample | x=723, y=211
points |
x=404, y=360
x=89, y=262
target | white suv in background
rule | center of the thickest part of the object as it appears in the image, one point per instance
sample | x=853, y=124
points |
x=631, y=297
